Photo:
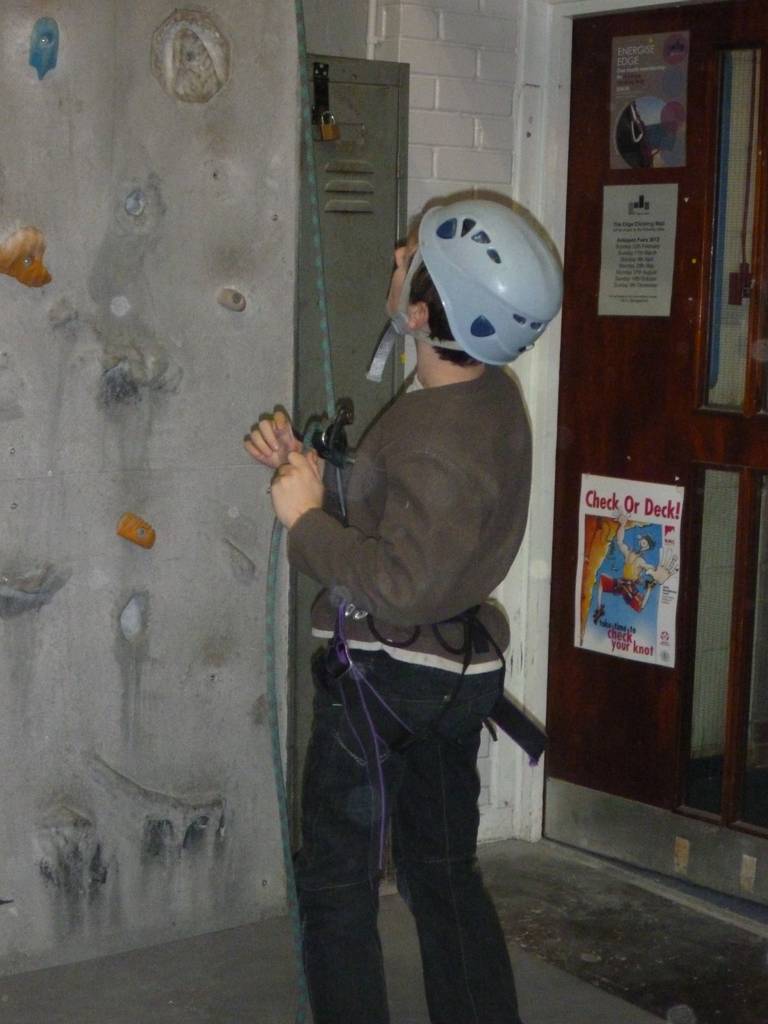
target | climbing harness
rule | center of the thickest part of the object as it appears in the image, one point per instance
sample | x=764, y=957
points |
x=374, y=736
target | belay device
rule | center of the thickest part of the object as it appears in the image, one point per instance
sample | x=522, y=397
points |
x=331, y=443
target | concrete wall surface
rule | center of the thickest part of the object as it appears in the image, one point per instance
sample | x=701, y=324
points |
x=137, y=800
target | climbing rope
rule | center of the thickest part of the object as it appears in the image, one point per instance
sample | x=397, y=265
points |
x=317, y=245
x=273, y=703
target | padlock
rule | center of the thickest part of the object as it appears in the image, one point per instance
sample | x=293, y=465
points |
x=329, y=130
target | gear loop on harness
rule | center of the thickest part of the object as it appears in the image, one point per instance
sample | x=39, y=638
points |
x=401, y=644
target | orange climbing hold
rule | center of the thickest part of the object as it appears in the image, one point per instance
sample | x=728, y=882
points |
x=21, y=256
x=136, y=530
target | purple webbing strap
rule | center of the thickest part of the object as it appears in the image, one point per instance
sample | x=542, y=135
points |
x=342, y=653
x=380, y=771
x=341, y=649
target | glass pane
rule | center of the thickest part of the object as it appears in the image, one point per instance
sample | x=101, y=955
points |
x=713, y=640
x=755, y=804
x=732, y=270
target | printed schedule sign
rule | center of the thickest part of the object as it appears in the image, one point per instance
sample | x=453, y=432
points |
x=629, y=559
x=649, y=99
x=637, y=256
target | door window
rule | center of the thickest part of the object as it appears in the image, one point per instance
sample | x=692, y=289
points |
x=734, y=262
x=717, y=563
x=755, y=793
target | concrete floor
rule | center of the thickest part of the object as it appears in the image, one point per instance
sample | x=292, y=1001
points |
x=591, y=944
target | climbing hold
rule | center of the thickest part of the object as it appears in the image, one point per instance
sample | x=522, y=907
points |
x=243, y=567
x=28, y=591
x=44, y=46
x=135, y=203
x=71, y=853
x=119, y=385
x=133, y=617
x=21, y=256
x=232, y=299
x=137, y=530
x=120, y=305
x=190, y=56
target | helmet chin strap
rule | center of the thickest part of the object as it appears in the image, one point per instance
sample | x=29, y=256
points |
x=398, y=327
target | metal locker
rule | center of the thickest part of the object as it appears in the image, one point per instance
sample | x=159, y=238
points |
x=361, y=159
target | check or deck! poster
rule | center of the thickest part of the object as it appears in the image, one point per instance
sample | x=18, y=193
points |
x=629, y=568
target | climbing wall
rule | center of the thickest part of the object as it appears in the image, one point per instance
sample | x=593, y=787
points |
x=148, y=181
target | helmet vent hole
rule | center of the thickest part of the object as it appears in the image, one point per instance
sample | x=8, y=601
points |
x=534, y=325
x=494, y=256
x=519, y=319
x=447, y=229
x=467, y=226
x=482, y=328
x=480, y=236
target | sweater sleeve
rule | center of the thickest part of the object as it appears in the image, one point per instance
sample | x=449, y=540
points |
x=414, y=569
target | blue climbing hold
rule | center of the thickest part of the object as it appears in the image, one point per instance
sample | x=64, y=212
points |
x=44, y=46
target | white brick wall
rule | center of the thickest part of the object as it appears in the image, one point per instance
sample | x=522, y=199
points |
x=464, y=70
x=463, y=62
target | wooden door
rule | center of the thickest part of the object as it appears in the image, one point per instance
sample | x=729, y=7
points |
x=676, y=398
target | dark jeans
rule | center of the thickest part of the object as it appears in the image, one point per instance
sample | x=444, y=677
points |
x=431, y=788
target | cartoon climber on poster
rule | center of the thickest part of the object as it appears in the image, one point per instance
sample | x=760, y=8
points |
x=629, y=546
x=639, y=575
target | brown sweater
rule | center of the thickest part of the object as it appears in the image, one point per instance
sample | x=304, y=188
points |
x=437, y=502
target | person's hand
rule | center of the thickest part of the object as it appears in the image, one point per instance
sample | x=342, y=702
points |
x=297, y=486
x=272, y=440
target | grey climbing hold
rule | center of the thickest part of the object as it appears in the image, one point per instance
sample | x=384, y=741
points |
x=190, y=56
x=28, y=591
x=135, y=203
x=158, y=838
x=72, y=856
x=133, y=617
x=243, y=567
x=125, y=382
x=172, y=825
x=195, y=833
x=119, y=385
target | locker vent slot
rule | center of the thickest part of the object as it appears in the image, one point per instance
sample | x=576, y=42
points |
x=348, y=185
x=349, y=167
x=348, y=206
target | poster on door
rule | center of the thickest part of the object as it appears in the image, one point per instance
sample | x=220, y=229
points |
x=649, y=100
x=637, y=250
x=629, y=568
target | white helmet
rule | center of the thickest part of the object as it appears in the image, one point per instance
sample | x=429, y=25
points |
x=499, y=280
